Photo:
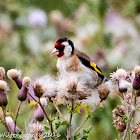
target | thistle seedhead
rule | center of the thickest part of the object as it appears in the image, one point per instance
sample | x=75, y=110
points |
x=118, y=75
x=78, y=87
x=2, y=73
x=137, y=130
x=120, y=110
x=137, y=70
x=103, y=91
x=136, y=82
x=26, y=81
x=36, y=128
x=3, y=85
x=49, y=84
x=38, y=90
x=120, y=124
x=14, y=74
x=121, y=74
x=3, y=98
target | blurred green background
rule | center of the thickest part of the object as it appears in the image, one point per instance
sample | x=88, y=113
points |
x=107, y=30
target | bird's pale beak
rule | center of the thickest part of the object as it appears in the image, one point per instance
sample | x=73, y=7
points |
x=54, y=52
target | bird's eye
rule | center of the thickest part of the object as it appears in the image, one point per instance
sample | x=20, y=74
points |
x=60, y=48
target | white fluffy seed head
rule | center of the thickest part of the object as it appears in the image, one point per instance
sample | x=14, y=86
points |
x=43, y=101
x=121, y=73
x=36, y=128
x=49, y=86
x=13, y=73
x=26, y=81
x=9, y=120
x=3, y=85
x=137, y=69
x=2, y=71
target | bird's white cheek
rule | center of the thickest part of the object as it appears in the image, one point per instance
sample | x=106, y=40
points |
x=67, y=51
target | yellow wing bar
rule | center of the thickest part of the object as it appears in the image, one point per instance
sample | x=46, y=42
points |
x=96, y=69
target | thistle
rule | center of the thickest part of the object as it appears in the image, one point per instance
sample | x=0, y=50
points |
x=2, y=73
x=36, y=129
x=3, y=98
x=39, y=114
x=22, y=95
x=137, y=130
x=120, y=110
x=103, y=91
x=14, y=74
x=136, y=82
x=38, y=88
x=11, y=124
x=120, y=124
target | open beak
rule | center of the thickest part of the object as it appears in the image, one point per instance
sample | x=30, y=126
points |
x=54, y=52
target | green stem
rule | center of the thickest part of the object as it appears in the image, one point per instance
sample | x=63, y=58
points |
x=70, y=120
x=57, y=108
x=46, y=115
x=82, y=124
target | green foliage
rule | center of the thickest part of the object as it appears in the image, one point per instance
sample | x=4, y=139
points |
x=84, y=134
x=46, y=128
x=123, y=117
x=59, y=123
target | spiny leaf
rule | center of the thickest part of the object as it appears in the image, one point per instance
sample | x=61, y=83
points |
x=57, y=124
x=86, y=131
x=46, y=128
x=84, y=137
x=76, y=136
x=123, y=117
x=64, y=123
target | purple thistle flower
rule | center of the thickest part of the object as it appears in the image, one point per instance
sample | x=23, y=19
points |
x=113, y=17
x=11, y=124
x=136, y=82
x=37, y=18
x=23, y=92
x=39, y=114
x=22, y=95
x=18, y=81
x=31, y=91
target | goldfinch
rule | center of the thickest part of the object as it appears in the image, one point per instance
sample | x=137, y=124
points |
x=71, y=59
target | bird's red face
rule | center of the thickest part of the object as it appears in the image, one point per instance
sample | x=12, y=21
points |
x=63, y=48
x=59, y=49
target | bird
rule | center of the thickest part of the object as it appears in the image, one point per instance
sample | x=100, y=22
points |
x=70, y=59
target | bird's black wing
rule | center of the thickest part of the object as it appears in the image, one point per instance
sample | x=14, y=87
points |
x=91, y=65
